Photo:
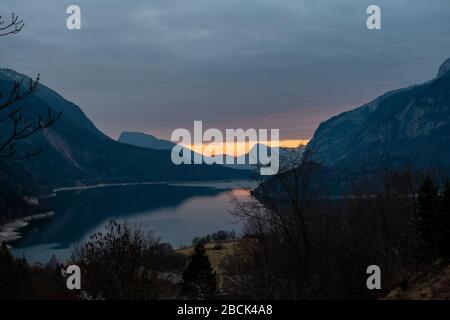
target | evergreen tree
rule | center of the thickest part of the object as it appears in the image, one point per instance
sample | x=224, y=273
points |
x=199, y=278
x=15, y=277
x=428, y=219
x=444, y=246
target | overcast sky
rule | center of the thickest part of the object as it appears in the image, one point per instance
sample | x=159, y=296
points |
x=154, y=66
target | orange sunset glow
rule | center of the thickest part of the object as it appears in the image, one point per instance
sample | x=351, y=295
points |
x=237, y=149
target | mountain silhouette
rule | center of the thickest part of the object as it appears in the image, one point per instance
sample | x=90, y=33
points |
x=410, y=126
x=76, y=153
x=145, y=140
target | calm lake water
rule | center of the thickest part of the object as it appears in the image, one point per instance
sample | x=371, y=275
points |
x=175, y=212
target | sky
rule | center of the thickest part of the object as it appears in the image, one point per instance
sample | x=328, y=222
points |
x=157, y=65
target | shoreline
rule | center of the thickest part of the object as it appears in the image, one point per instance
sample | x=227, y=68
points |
x=10, y=231
x=124, y=184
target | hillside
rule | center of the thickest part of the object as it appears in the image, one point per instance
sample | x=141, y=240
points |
x=145, y=140
x=75, y=152
x=406, y=126
x=431, y=283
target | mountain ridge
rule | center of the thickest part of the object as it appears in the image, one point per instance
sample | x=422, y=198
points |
x=405, y=126
x=242, y=162
x=144, y=140
x=76, y=153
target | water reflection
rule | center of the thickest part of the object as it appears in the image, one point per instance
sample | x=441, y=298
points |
x=177, y=213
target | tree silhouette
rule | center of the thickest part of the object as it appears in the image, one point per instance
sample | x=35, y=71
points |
x=15, y=277
x=428, y=221
x=119, y=263
x=199, y=278
x=444, y=246
x=14, y=126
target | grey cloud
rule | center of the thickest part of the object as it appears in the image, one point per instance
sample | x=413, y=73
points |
x=158, y=65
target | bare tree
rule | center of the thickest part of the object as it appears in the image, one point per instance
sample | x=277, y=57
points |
x=120, y=263
x=276, y=259
x=14, y=125
x=11, y=27
x=304, y=242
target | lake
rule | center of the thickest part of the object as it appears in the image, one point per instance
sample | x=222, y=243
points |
x=177, y=213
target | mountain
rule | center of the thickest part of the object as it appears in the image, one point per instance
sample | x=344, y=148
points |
x=406, y=126
x=286, y=156
x=444, y=68
x=75, y=152
x=151, y=142
x=148, y=141
x=241, y=162
x=145, y=140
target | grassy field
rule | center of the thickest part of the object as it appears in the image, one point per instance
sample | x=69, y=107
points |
x=216, y=250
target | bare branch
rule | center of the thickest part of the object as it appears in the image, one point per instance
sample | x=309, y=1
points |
x=17, y=93
x=19, y=127
x=22, y=129
x=14, y=26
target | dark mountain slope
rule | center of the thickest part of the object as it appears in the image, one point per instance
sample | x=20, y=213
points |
x=145, y=140
x=77, y=153
x=407, y=126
